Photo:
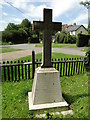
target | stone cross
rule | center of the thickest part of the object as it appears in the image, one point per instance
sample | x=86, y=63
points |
x=47, y=26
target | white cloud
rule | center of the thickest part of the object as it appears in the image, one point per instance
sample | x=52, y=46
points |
x=16, y=20
x=86, y=25
x=81, y=18
x=59, y=6
x=35, y=11
x=5, y=14
x=2, y=22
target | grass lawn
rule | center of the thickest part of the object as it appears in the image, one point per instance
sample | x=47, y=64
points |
x=57, y=45
x=4, y=50
x=86, y=49
x=54, y=56
x=15, y=97
x=5, y=43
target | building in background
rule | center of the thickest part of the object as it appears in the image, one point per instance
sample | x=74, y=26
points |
x=74, y=29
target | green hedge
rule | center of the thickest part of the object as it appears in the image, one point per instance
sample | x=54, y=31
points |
x=14, y=36
x=82, y=40
x=34, y=40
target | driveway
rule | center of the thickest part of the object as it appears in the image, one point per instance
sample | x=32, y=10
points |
x=27, y=50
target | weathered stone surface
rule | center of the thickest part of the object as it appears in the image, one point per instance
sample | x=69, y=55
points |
x=47, y=26
x=46, y=90
x=46, y=86
x=50, y=107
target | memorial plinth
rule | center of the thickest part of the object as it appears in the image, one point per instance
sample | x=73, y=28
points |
x=46, y=91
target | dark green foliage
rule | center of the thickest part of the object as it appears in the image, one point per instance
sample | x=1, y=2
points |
x=11, y=26
x=26, y=23
x=68, y=38
x=17, y=33
x=34, y=40
x=57, y=37
x=64, y=37
x=34, y=37
x=6, y=36
x=82, y=40
x=89, y=28
x=14, y=36
x=86, y=3
x=88, y=57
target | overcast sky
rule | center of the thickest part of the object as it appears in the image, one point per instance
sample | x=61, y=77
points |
x=65, y=11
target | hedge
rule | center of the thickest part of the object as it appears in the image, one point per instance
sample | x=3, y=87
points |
x=34, y=40
x=14, y=36
x=82, y=40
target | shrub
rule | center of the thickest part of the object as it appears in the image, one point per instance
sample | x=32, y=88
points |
x=29, y=39
x=57, y=37
x=14, y=36
x=73, y=39
x=34, y=40
x=64, y=37
x=34, y=37
x=82, y=40
x=6, y=36
x=68, y=38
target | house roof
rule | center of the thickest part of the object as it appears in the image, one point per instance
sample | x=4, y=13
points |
x=73, y=28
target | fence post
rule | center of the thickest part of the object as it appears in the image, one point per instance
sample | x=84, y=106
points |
x=33, y=63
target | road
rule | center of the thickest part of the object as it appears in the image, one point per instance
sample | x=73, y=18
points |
x=27, y=50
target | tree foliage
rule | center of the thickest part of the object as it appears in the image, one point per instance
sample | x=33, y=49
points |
x=82, y=40
x=11, y=26
x=26, y=23
x=19, y=33
x=86, y=3
x=64, y=37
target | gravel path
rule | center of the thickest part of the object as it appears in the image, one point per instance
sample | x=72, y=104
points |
x=27, y=50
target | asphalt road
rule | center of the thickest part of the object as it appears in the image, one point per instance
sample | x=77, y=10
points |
x=27, y=50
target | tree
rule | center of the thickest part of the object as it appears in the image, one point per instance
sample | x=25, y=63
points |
x=62, y=37
x=11, y=26
x=86, y=3
x=68, y=38
x=6, y=36
x=26, y=23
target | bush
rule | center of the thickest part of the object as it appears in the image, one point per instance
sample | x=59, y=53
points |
x=34, y=40
x=14, y=36
x=73, y=39
x=57, y=37
x=82, y=40
x=64, y=37
x=6, y=36
x=29, y=39
x=34, y=37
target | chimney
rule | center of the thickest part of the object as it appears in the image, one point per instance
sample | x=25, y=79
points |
x=74, y=24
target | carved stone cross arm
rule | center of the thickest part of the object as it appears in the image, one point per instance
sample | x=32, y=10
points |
x=56, y=26
x=38, y=25
x=47, y=26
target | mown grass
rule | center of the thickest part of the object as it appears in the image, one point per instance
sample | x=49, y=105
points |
x=58, y=45
x=85, y=49
x=5, y=43
x=74, y=90
x=54, y=56
x=4, y=50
